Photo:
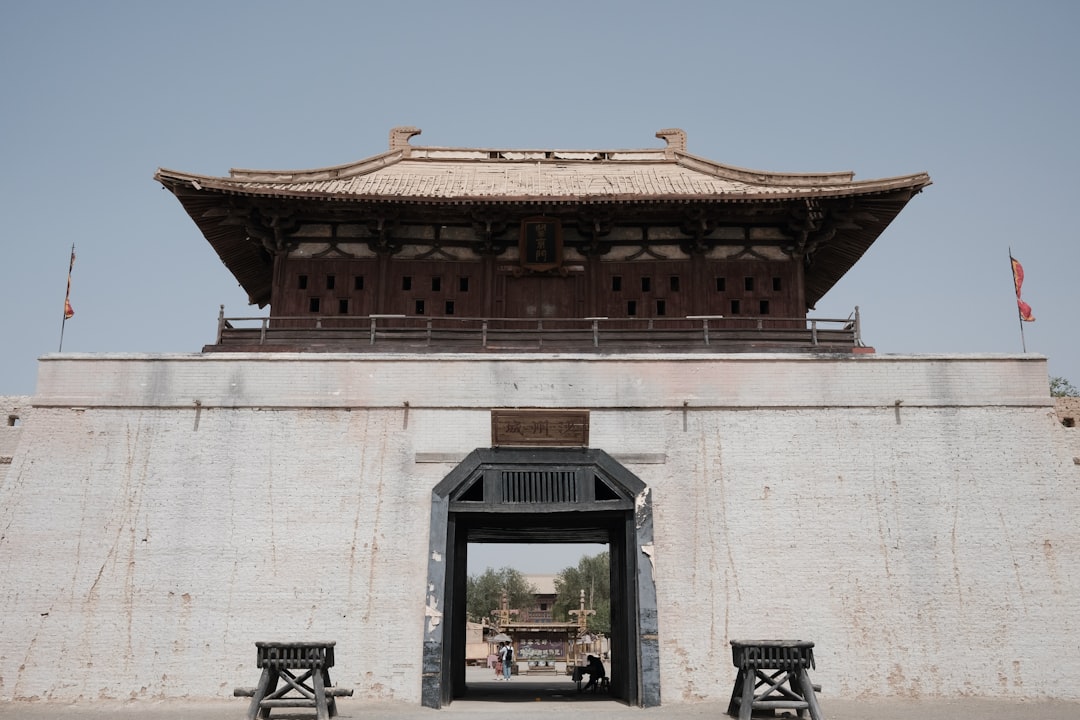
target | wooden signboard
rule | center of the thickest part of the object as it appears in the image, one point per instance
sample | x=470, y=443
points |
x=540, y=246
x=540, y=428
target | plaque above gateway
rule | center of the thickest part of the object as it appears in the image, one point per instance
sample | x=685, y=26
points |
x=540, y=428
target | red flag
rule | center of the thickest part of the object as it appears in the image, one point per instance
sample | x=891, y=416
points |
x=1018, y=281
x=68, y=312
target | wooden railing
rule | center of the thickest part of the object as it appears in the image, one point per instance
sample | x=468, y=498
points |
x=401, y=333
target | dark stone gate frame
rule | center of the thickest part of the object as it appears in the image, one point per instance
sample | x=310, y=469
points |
x=609, y=504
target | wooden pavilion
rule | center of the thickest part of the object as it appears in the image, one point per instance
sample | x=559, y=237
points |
x=466, y=249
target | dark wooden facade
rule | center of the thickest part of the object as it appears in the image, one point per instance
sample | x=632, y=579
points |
x=331, y=287
x=431, y=235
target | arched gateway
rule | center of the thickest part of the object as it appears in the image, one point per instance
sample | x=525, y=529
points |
x=542, y=495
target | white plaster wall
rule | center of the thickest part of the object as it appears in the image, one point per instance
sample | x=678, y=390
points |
x=144, y=554
x=14, y=410
x=162, y=513
x=919, y=559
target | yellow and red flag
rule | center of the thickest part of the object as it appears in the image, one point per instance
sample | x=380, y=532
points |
x=1018, y=281
x=68, y=311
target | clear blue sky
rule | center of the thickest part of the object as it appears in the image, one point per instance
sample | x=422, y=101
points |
x=97, y=95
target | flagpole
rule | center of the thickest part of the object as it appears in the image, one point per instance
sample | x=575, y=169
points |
x=1019, y=315
x=67, y=298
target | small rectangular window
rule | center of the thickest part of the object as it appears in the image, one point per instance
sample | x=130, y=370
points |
x=721, y=284
x=358, y=282
x=735, y=307
x=763, y=307
x=646, y=284
x=418, y=307
x=776, y=284
x=661, y=307
x=313, y=305
x=748, y=284
x=436, y=284
x=673, y=283
x=301, y=282
x=343, y=306
x=616, y=283
x=463, y=284
x=631, y=308
x=330, y=282
x=406, y=282
x=449, y=307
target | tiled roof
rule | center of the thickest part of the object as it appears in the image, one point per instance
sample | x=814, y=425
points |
x=544, y=584
x=415, y=173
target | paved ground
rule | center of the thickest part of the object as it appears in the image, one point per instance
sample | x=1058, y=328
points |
x=538, y=698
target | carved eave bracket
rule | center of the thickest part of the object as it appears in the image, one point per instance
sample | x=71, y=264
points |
x=381, y=223
x=807, y=225
x=271, y=230
x=814, y=241
x=848, y=215
x=696, y=225
x=490, y=234
x=593, y=227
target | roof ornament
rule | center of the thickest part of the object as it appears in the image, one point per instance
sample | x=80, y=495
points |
x=399, y=137
x=675, y=138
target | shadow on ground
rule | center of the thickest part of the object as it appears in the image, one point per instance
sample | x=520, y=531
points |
x=481, y=686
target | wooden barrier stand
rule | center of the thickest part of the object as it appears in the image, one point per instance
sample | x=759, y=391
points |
x=772, y=676
x=280, y=662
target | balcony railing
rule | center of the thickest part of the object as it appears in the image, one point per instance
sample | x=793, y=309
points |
x=401, y=333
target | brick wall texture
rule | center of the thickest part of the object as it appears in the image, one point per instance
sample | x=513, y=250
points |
x=914, y=516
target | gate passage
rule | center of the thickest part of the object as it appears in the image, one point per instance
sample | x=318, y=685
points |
x=309, y=689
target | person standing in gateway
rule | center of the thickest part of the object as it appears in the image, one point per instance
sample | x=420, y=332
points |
x=507, y=657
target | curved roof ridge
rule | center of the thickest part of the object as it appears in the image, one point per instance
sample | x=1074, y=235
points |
x=673, y=154
x=761, y=177
x=442, y=173
x=349, y=169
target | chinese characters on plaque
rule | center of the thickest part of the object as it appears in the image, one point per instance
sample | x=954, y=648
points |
x=541, y=244
x=551, y=428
